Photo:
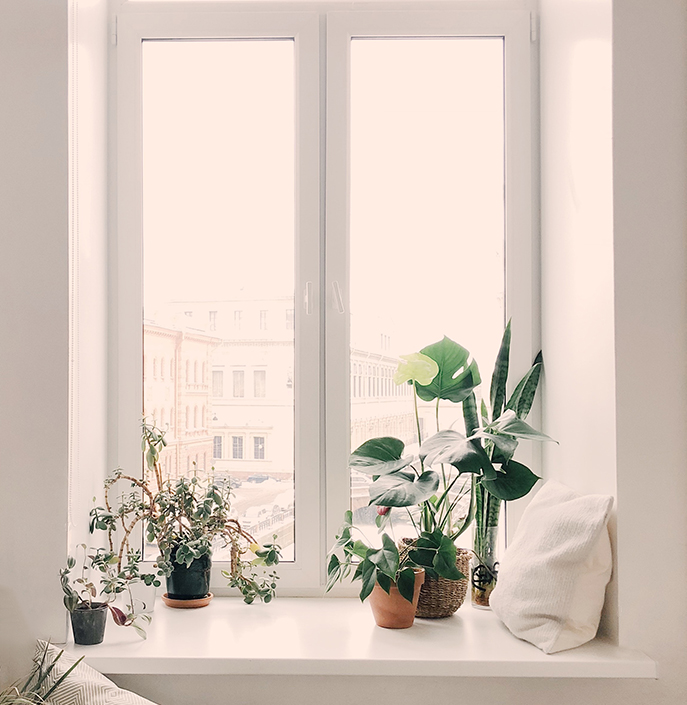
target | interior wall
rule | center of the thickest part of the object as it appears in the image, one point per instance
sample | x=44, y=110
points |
x=34, y=325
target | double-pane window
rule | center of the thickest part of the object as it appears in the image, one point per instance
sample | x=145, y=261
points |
x=366, y=184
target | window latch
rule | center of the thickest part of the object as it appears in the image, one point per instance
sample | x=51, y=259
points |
x=307, y=298
x=338, y=298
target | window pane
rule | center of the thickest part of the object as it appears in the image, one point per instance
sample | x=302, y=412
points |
x=218, y=250
x=427, y=225
x=259, y=383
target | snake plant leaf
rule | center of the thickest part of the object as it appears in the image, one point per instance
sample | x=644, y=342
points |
x=515, y=482
x=445, y=560
x=509, y=423
x=523, y=395
x=402, y=489
x=470, y=414
x=386, y=558
x=406, y=583
x=497, y=391
x=379, y=456
x=455, y=449
x=456, y=377
x=416, y=367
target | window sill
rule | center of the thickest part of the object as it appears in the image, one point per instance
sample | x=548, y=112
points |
x=337, y=636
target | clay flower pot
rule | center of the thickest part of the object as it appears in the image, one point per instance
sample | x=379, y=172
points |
x=392, y=611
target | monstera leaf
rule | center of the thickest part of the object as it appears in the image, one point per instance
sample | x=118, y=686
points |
x=379, y=456
x=510, y=424
x=403, y=489
x=456, y=377
x=455, y=449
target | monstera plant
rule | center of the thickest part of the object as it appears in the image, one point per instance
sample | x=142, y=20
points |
x=431, y=485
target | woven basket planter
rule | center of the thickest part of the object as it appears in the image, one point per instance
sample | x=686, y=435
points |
x=440, y=597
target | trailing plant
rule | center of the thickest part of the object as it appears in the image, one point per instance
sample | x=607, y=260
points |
x=251, y=578
x=186, y=517
x=434, y=552
x=80, y=592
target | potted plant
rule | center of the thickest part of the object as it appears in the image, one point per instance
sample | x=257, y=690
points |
x=392, y=581
x=431, y=485
x=432, y=497
x=88, y=615
x=185, y=517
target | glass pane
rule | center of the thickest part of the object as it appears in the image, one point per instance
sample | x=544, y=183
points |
x=218, y=250
x=427, y=226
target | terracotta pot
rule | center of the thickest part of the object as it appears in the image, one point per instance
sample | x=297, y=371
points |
x=392, y=610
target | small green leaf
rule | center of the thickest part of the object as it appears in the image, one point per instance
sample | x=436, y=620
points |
x=523, y=395
x=384, y=582
x=509, y=423
x=445, y=560
x=368, y=572
x=515, y=482
x=406, y=583
x=386, y=558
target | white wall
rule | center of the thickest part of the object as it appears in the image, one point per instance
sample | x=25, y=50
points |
x=638, y=331
x=34, y=317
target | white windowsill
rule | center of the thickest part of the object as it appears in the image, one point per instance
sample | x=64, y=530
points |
x=337, y=636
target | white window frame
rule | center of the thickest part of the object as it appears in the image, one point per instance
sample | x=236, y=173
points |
x=133, y=27
x=322, y=42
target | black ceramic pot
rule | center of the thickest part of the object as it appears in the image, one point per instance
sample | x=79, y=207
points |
x=88, y=625
x=192, y=582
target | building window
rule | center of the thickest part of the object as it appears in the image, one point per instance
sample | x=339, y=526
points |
x=263, y=320
x=217, y=447
x=238, y=379
x=217, y=383
x=237, y=447
x=259, y=447
x=213, y=320
x=259, y=383
x=289, y=319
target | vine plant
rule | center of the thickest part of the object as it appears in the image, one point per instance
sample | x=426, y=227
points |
x=185, y=517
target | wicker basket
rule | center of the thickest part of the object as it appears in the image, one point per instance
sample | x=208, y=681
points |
x=440, y=597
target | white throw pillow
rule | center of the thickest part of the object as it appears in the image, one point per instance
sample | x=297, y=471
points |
x=84, y=685
x=552, y=579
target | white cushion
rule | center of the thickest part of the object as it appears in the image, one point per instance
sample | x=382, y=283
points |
x=84, y=685
x=553, y=576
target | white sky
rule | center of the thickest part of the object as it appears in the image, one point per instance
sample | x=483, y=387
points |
x=426, y=185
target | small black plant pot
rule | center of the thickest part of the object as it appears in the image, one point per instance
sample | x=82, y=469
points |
x=88, y=625
x=192, y=583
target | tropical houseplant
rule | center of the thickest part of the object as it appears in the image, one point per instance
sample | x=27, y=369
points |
x=428, y=485
x=392, y=579
x=185, y=517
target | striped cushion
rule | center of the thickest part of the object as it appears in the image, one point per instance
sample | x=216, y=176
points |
x=84, y=685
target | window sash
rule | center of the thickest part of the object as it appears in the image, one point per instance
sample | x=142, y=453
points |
x=520, y=290
x=134, y=26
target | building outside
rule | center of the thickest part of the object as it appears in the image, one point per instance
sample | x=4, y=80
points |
x=219, y=377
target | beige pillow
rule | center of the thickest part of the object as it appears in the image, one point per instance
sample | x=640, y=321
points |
x=553, y=576
x=84, y=685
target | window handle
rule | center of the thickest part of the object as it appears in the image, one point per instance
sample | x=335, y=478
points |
x=338, y=298
x=307, y=298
